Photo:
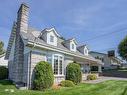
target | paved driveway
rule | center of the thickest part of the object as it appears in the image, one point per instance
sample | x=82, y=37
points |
x=102, y=79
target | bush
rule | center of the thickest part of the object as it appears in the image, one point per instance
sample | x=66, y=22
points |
x=91, y=77
x=73, y=73
x=3, y=72
x=67, y=83
x=44, y=77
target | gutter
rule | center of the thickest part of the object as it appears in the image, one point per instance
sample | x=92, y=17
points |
x=29, y=67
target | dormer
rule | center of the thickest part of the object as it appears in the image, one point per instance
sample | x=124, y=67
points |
x=71, y=44
x=50, y=36
x=83, y=49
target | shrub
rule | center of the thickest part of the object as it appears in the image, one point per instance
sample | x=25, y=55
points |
x=73, y=73
x=3, y=72
x=91, y=77
x=44, y=77
x=67, y=83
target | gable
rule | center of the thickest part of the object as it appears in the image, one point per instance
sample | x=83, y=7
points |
x=45, y=31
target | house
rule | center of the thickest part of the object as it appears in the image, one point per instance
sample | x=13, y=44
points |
x=3, y=62
x=109, y=62
x=28, y=46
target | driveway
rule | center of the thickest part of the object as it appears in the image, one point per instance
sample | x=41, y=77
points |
x=103, y=78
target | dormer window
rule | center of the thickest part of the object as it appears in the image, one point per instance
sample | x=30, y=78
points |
x=86, y=51
x=83, y=49
x=51, y=38
x=73, y=46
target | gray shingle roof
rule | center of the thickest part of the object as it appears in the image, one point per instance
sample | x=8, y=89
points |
x=33, y=33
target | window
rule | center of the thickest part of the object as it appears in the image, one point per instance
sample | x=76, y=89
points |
x=58, y=65
x=73, y=46
x=86, y=52
x=51, y=38
x=55, y=65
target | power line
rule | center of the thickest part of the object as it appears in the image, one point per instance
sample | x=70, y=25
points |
x=113, y=48
x=106, y=34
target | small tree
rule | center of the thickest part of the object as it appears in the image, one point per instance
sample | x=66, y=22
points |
x=44, y=77
x=73, y=73
x=122, y=48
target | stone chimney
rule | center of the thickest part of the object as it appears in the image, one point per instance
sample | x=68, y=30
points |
x=22, y=18
x=22, y=26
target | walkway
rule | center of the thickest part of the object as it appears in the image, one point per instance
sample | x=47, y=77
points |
x=102, y=79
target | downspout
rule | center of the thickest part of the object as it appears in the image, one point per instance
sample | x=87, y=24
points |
x=29, y=66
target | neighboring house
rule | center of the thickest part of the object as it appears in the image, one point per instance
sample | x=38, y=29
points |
x=109, y=62
x=3, y=62
x=28, y=46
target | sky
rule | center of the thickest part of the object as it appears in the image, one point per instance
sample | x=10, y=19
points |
x=101, y=24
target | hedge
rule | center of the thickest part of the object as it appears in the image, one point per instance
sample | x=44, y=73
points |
x=73, y=73
x=91, y=77
x=3, y=72
x=67, y=83
x=44, y=77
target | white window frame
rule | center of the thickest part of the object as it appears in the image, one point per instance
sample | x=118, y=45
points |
x=51, y=38
x=58, y=64
x=72, y=46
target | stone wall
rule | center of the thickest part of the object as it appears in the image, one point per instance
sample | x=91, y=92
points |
x=11, y=69
x=25, y=67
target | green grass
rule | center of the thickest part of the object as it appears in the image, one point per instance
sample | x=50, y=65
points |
x=105, y=88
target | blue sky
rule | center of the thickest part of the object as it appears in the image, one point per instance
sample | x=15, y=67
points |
x=82, y=19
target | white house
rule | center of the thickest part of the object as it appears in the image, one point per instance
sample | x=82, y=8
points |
x=3, y=62
x=28, y=46
x=109, y=62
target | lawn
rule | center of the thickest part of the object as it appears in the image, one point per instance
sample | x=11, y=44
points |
x=106, y=88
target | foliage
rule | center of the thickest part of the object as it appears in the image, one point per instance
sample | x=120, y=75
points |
x=67, y=83
x=122, y=48
x=44, y=77
x=91, y=77
x=1, y=48
x=73, y=73
x=3, y=72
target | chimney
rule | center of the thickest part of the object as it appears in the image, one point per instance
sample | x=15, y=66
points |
x=22, y=18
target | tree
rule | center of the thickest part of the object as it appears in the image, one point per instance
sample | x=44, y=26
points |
x=1, y=48
x=122, y=48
